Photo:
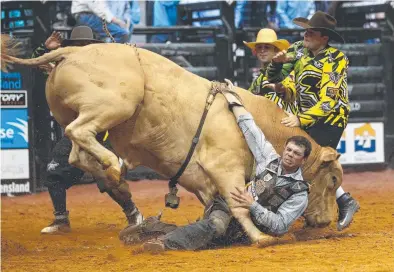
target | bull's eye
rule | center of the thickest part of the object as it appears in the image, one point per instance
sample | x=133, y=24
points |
x=333, y=182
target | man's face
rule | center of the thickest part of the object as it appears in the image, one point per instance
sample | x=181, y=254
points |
x=293, y=157
x=265, y=52
x=313, y=39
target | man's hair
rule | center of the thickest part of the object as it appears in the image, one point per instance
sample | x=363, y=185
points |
x=327, y=33
x=302, y=142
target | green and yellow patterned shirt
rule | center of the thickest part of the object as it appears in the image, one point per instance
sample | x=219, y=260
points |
x=321, y=84
x=285, y=101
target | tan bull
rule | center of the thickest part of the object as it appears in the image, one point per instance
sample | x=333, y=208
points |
x=152, y=108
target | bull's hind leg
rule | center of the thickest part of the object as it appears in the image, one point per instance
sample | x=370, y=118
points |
x=83, y=132
x=83, y=160
x=92, y=120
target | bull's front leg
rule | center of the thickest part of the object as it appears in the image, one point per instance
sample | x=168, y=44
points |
x=243, y=217
x=226, y=182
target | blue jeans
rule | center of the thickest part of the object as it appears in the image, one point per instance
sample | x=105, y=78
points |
x=120, y=34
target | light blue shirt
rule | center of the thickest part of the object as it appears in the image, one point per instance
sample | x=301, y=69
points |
x=286, y=11
x=264, y=153
x=125, y=10
x=165, y=13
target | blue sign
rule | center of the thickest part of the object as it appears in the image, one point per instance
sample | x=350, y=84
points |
x=11, y=81
x=14, y=130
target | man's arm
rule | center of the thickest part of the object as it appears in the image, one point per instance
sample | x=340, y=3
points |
x=332, y=83
x=260, y=147
x=261, y=79
x=287, y=89
x=278, y=223
x=283, y=63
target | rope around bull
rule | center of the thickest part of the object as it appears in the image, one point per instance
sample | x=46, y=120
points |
x=109, y=35
x=171, y=199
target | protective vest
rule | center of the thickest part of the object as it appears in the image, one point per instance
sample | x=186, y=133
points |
x=271, y=196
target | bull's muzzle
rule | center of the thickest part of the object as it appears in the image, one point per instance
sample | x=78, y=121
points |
x=316, y=221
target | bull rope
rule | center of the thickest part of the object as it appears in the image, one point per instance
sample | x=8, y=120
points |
x=109, y=35
x=171, y=199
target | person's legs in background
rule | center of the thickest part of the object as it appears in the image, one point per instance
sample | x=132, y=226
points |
x=120, y=34
x=60, y=176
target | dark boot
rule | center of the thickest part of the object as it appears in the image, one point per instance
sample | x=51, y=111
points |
x=61, y=224
x=348, y=206
x=151, y=228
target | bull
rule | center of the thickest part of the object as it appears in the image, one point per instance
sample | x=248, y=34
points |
x=151, y=108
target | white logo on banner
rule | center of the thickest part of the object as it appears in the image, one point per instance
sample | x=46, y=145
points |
x=22, y=126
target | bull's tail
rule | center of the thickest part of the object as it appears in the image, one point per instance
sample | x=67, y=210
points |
x=9, y=48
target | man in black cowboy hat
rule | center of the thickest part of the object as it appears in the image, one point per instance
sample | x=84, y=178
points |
x=60, y=174
x=321, y=82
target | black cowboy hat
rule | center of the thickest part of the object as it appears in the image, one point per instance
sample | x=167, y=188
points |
x=81, y=34
x=321, y=21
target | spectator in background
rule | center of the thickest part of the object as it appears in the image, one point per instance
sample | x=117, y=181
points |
x=286, y=11
x=323, y=95
x=91, y=13
x=128, y=11
x=323, y=5
x=239, y=13
x=265, y=48
x=164, y=14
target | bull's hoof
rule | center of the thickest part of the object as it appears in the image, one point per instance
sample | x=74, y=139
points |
x=113, y=174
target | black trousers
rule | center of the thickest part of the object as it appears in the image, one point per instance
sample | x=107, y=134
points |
x=58, y=168
x=61, y=176
x=325, y=135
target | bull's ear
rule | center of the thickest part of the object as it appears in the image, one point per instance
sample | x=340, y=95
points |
x=338, y=155
x=328, y=154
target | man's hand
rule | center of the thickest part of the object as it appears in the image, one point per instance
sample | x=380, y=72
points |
x=119, y=22
x=54, y=41
x=277, y=87
x=230, y=97
x=282, y=57
x=243, y=198
x=291, y=120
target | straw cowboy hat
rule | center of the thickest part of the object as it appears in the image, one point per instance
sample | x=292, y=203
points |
x=321, y=21
x=81, y=34
x=268, y=36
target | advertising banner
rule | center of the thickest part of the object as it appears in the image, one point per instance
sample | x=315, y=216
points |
x=15, y=164
x=14, y=131
x=14, y=134
x=362, y=143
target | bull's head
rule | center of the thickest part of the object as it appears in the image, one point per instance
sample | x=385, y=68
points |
x=326, y=176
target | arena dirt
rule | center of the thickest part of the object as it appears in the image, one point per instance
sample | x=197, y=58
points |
x=93, y=245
